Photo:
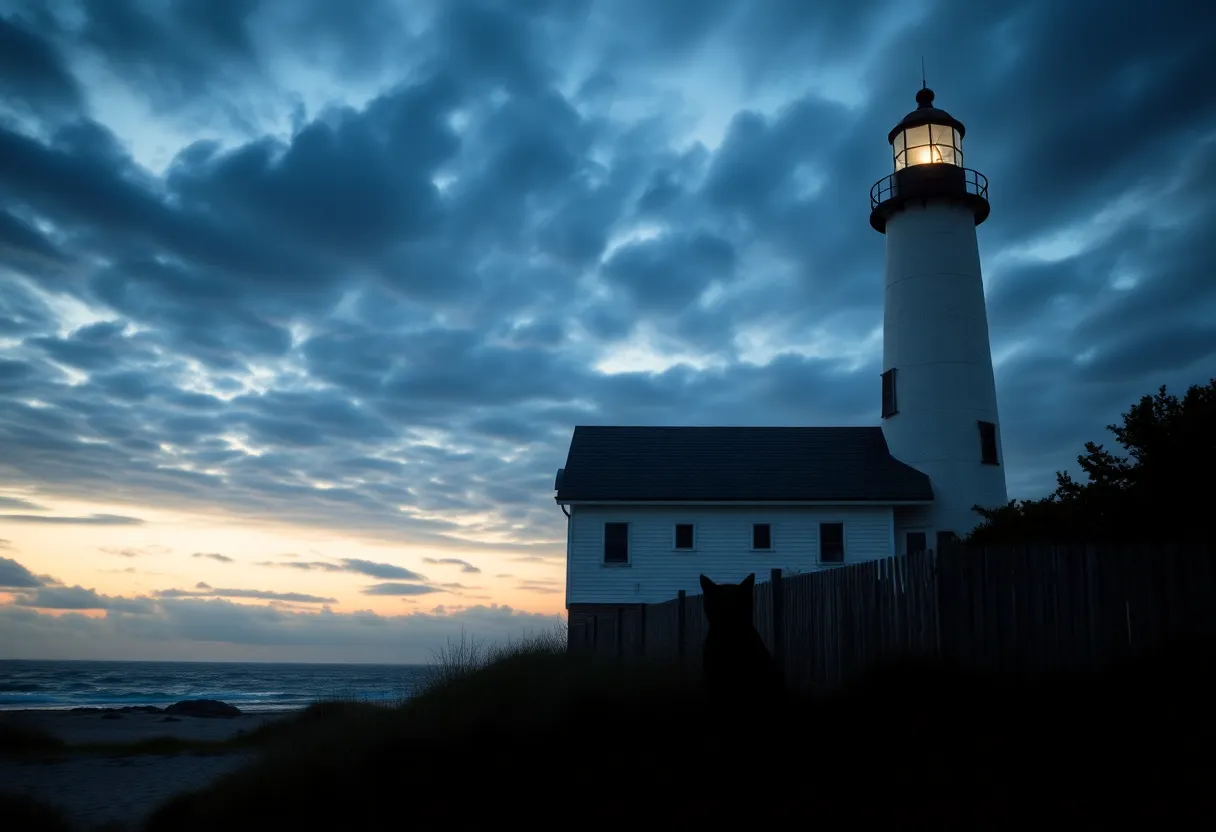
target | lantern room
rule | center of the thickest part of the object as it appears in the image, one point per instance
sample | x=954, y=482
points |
x=927, y=136
x=927, y=153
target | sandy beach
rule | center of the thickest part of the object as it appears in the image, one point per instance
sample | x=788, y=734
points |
x=94, y=790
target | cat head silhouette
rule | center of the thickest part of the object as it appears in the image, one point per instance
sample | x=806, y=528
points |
x=729, y=605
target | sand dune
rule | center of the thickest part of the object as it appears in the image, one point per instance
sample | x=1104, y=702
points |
x=92, y=790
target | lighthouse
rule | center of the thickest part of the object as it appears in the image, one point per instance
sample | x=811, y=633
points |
x=939, y=407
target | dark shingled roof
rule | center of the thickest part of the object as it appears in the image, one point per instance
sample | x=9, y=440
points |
x=735, y=463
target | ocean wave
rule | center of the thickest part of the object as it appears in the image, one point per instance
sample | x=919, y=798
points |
x=58, y=685
x=20, y=687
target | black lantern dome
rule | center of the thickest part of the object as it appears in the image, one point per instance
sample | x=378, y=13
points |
x=927, y=151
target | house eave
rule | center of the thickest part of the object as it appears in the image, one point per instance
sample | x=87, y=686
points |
x=562, y=502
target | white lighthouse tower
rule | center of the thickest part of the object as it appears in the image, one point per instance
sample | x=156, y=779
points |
x=939, y=410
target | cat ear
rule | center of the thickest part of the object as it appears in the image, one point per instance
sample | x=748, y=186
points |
x=707, y=585
x=749, y=581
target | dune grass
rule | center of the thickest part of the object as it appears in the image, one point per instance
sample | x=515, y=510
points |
x=530, y=733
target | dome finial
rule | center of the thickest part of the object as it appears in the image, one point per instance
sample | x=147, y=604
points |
x=924, y=98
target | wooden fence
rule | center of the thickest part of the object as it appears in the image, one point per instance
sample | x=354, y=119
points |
x=1010, y=607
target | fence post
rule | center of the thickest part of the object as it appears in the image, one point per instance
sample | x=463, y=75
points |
x=778, y=609
x=595, y=634
x=620, y=632
x=642, y=631
x=680, y=627
x=935, y=580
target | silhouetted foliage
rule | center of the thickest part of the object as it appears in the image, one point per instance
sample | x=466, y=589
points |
x=1155, y=493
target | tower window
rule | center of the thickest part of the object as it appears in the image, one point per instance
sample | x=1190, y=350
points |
x=988, y=443
x=888, y=394
x=831, y=542
x=616, y=543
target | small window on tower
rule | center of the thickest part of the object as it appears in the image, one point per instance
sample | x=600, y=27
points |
x=988, y=443
x=888, y=394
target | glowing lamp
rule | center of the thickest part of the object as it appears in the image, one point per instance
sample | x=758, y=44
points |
x=928, y=136
x=927, y=151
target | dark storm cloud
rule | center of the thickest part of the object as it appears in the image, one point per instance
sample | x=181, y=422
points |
x=63, y=598
x=33, y=74
x=388, y=318
x=14, y=575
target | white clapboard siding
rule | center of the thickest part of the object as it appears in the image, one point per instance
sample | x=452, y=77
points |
x=657, y=571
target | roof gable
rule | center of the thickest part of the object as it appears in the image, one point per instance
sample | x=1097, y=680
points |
x=763, y=464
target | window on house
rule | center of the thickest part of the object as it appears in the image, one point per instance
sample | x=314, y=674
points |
x=945, y=540
x=916, y=542
x=888, y=394
x=831, y=542
x=988, y=443
x=684, y=536
x=762, y=536
x=616, y=543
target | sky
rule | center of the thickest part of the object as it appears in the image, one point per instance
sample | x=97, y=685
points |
x=300, y=302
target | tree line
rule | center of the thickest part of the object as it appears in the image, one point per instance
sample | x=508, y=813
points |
x=1162, y=490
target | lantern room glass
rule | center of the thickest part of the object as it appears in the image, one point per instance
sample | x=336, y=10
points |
x=928, y=144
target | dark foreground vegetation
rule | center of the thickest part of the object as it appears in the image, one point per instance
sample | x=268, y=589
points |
x=1156, y=486
x=540, y=737
x=545, y=738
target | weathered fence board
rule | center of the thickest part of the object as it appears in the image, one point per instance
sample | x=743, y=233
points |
x=1018, y=607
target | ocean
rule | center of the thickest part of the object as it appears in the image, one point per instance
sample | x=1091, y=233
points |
x=249, y=686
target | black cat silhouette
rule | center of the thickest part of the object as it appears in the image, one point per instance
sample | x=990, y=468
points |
x=737, y=667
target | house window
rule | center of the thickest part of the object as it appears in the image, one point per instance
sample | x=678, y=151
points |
x=916, y=542
x=684, y=536
x=831, y=542
x=945, y=540
x=988, y=443
x=888, y=394
x=762, y=536
x=616, y=543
